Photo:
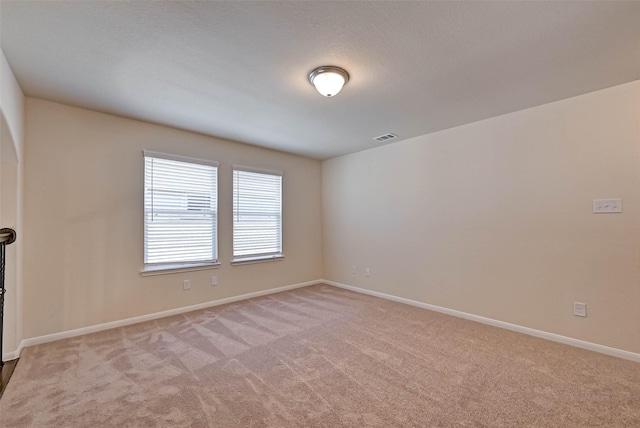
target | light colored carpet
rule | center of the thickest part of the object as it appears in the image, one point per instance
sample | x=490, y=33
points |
x=318, y=357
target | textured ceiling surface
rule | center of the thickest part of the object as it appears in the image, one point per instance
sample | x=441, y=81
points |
x=238, y=70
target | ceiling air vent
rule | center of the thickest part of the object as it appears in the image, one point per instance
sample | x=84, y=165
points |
x=385, y=137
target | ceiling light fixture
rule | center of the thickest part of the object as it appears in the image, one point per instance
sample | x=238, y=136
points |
x=328, y=79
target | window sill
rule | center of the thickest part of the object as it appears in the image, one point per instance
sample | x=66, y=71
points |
x=176, y=268
x=257, y=259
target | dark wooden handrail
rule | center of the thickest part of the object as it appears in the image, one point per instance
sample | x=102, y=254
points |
x=7, y=236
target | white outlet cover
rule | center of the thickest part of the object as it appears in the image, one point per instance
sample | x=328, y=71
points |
x=579, y=309
x=602, y=206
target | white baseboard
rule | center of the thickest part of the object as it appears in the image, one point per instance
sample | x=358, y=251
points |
x=514, y=327
x=128, y=321
x=632, y=356
x=8, y=356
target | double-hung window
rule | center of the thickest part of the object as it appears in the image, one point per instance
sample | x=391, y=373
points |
x=180, y=212
x=257, y=215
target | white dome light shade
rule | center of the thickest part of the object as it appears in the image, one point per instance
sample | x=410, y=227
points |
x=328, y=80
x=329, y=83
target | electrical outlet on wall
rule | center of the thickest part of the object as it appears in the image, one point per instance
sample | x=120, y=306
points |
x=186, y=284
x=579, y=309
x=214, y=280
x=367, y=272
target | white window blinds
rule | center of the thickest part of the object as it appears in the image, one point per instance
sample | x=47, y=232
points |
x=257, y=214
x=180, y=210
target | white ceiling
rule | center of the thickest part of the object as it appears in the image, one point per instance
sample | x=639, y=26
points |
x=238, y=70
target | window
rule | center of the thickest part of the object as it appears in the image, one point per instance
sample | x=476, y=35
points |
x=180, y=211
x=257, y=215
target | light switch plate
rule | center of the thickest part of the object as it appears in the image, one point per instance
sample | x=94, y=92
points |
x=602, y=206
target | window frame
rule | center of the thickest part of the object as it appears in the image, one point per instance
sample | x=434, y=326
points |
x=159, y=268
x=264, y=257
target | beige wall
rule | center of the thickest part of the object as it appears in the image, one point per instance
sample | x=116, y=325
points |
x=84, y=219
x=495, y=218
x=11, y=166
x=492, y=218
